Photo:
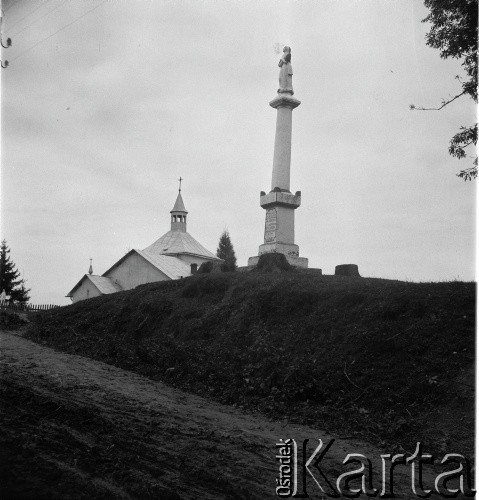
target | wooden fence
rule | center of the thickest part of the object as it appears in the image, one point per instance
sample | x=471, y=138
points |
x=5, y=304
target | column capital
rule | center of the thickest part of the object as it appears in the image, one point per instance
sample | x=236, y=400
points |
x=284, y=101
x=280, y=198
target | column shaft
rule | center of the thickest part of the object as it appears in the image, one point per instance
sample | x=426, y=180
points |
x=282, y=148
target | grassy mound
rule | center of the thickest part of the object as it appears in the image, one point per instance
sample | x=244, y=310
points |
x=385, y=360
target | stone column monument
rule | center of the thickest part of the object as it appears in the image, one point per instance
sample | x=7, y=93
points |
x=280, y=203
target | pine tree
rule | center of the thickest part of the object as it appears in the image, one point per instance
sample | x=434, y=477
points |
x=9, y=277
x=226, y=252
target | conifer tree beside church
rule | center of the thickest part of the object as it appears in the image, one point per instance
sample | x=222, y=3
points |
x=226, y=252
x=9, y=277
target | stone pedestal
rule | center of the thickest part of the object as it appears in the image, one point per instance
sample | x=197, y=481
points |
x=280, y=203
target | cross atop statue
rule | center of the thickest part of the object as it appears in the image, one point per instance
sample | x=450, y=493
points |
x=180, y=179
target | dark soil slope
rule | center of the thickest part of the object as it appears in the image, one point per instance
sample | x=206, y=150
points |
x=389, y=361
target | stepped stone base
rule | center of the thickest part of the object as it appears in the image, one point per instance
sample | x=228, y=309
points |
x=288, y=249
x=294, y=261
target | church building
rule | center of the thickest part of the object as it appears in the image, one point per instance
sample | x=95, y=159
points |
x=174, y=255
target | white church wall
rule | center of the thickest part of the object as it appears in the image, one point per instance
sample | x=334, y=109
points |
x=134, y=271
x=86, y=290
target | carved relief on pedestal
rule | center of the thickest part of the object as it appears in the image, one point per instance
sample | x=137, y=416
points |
x=271, y=225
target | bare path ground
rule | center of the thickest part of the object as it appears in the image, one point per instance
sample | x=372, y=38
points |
x=78, y=428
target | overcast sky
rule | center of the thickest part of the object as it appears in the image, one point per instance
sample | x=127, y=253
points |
x=106, y=103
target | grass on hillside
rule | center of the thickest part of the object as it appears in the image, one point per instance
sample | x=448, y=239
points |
x=383, y=360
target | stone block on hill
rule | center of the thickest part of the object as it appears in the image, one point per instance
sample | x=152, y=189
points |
x=347, y=270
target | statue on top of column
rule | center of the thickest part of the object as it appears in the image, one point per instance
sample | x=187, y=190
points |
x=286, y=73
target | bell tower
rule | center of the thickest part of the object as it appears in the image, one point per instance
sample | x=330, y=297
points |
x=179, y=213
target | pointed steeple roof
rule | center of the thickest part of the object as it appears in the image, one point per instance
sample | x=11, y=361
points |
x=179, y=205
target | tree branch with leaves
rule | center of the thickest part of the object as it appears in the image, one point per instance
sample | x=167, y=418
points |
x=454, y=32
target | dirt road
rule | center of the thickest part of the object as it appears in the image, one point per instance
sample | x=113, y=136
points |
x=78, y=428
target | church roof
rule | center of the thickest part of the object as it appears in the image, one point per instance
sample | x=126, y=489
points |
x=172, y=267
x=178, y=242
x=179, y=205
x=105, y=285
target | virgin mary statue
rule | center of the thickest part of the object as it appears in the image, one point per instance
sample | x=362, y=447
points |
x=286, y=72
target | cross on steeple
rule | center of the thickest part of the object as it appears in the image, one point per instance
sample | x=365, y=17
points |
x=180, y=179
